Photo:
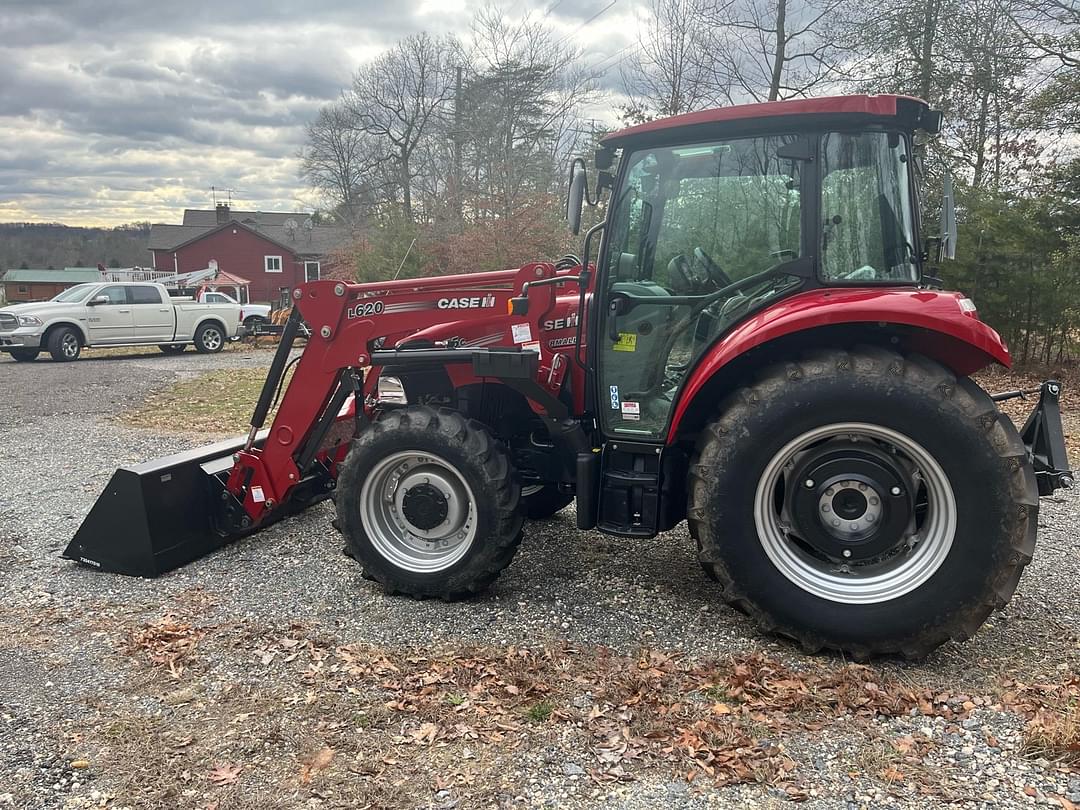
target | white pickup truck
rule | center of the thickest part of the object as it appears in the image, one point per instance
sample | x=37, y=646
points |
x=115, y=314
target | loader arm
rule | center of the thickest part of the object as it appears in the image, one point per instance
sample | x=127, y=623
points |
x=345, y=321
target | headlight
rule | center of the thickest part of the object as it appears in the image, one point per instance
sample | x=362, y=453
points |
x=29, y=320
x=967, y=306
x=390, y=391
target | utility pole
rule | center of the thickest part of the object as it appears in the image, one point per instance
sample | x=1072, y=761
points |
x=456, y=196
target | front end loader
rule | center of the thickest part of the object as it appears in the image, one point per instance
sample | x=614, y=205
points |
x=755, y=350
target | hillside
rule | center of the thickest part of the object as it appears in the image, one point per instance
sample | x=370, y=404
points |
x=32, y=244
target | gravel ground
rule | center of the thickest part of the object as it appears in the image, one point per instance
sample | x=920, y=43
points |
x=72, y=689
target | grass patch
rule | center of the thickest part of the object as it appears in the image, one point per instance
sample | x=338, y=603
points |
x=540, y=712
x=215, y=402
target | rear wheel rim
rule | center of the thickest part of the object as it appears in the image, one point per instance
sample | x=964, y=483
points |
x=211, y=339
x=69, y=346
x=424, y=539
x=904, y=567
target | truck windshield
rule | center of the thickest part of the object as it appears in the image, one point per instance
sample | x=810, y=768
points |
x=74, y=295
x=868, y=227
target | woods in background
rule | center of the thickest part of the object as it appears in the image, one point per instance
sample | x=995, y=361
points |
x=449, y=155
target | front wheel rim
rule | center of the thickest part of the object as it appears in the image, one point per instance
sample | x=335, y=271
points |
x=899, y=571
x=69, y=345
x=426, y=538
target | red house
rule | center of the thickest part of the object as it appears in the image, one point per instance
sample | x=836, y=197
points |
x=274, y=251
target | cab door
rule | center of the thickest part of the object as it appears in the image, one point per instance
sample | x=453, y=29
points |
x=700, y=236
x=154, y=319
x=109, y=317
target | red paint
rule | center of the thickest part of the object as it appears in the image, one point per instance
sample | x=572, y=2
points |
x=883, y=105
x=955, y=338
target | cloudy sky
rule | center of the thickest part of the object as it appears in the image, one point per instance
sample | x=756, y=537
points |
x=116, y=111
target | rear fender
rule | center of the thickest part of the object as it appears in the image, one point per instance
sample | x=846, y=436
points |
x=941, y=325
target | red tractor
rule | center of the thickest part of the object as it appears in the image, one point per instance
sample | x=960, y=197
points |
x=756, y=350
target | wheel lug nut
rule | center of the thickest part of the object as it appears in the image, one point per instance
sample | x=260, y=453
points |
x=869, y=518
x=836, y=523
x=854, y=527
x=824, y=507
x=895, y=490
x=847, y=552
x=809, y=483
x=873, y=501
x=862, y=487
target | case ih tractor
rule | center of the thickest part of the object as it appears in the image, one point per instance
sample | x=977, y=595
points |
x=755, y=350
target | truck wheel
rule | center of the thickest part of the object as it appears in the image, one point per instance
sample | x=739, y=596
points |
x=64, y=344
x=542, y=502
x=25, y=355
x=428, y=505
x=865, y=502
x=253, y=321
x=209, y=338
x=172, y=348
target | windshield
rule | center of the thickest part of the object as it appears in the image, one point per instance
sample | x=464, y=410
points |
x=74, y=294
x=868, y=228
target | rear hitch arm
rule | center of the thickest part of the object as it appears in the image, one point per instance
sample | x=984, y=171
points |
x=1044, y=437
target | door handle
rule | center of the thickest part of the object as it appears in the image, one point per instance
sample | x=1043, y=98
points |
x=124, y=311
x=163, y=310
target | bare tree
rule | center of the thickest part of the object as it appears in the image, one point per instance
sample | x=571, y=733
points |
x=668, y=74
x=766, y=50
x=399, y=98
x=341, y=161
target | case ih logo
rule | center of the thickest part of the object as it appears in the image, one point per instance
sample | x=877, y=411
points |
x=569, y=322
x=485, y=302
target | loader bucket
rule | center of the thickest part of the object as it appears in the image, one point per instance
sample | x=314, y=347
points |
x=156, y=516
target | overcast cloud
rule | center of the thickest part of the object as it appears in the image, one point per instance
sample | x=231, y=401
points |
x=116, y=111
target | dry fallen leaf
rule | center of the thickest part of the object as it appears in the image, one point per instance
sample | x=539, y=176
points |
x=225, y=773
x=317, y=763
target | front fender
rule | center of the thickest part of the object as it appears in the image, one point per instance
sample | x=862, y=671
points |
x=943, y=326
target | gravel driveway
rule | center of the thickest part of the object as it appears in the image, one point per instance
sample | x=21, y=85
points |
x=109, y=686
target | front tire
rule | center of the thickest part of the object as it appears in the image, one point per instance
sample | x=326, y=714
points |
x=25, y=355
x=64, y=344
x=209, y=338
x=864, y=502
x=428, y=504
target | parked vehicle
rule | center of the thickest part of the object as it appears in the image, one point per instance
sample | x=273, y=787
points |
x=756, y=351
x=251, y=315
x=115, y=314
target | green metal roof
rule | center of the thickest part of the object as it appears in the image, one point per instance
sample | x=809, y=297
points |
x=69, y=275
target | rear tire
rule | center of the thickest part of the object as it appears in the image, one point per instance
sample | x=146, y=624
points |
x=960, y=535
x=545, y=502
x=209, y=338
x=25, y=355
x=420, y=471
x=64, y=344
x=172, y=348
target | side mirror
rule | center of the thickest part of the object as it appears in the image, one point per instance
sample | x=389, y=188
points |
x=948, y=220
x=99, y=299
x=575, y=196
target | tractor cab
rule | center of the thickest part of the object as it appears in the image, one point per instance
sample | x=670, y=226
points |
x=713, y=216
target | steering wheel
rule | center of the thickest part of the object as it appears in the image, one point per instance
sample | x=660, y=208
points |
x=718, y=276
x=684, y=278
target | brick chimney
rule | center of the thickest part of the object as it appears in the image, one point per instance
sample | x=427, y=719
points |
x=222, y=213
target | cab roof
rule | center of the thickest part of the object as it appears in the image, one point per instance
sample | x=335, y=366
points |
x=904, y=111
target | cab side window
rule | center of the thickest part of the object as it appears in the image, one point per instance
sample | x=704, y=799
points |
x=145, y=295
x=116, y=295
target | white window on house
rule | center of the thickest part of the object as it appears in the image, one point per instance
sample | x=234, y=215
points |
x=272, y=264
x=312, y=271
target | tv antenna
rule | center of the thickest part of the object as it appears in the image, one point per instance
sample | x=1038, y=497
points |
x=227, y=193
